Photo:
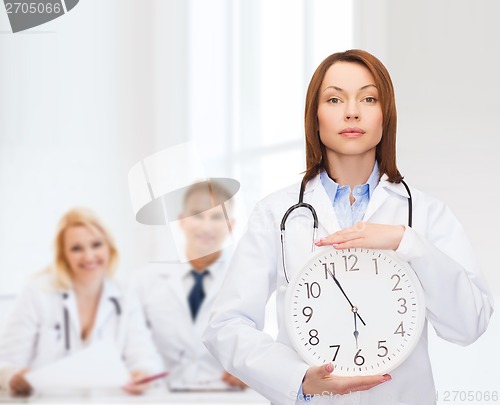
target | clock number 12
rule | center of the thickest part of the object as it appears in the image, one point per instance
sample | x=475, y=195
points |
x=347, y=260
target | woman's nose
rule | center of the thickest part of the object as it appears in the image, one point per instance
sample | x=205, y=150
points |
x=88, y=254
x=351, y=111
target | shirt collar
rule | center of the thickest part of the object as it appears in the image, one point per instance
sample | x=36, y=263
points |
x=373, y=180
x=331, y=187
x=213, y=269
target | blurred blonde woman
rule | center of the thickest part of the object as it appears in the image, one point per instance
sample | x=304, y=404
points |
x=74, y=304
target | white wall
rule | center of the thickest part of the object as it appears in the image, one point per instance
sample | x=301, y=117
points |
x=444, y=59
x=83, y=98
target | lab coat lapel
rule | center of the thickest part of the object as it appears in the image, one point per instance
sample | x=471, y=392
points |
x=176, y=290
x=316, y=195
x=216, y=269
x=106, y=308
x=178, y=298
x=69, y=303
x=380, y=195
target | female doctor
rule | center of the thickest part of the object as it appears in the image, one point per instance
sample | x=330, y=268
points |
x=353, y=183
x=74, y=304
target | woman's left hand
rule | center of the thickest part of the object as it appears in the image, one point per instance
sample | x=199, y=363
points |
x=365, y=235
x=132, y=387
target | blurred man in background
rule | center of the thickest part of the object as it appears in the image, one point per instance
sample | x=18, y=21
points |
x=177, y=297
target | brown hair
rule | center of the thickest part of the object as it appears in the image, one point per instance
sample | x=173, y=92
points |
x=386, y=149
x=216, y=191
x=79, y=217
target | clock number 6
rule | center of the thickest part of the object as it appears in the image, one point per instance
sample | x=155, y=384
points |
x=358, y=359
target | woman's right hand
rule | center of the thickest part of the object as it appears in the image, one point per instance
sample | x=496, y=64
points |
x=319, y=381
x=19, y=385
x=135, y=388
x=232, y=381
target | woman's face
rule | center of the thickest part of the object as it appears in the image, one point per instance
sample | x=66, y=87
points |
x=86, y=252
x=349, y=111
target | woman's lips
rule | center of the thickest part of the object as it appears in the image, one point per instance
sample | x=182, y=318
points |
x=352, y=132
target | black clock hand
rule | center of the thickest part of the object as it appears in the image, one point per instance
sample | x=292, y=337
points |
x=356, y=333
x=348, y=300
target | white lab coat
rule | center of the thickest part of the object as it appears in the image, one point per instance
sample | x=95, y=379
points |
x=162, y=292
x=459, y=303
x=34, y=335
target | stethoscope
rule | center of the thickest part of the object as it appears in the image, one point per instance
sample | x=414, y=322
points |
x=67, y=338
x=302, y=204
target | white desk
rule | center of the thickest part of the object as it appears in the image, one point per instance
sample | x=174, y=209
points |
x=248, y=397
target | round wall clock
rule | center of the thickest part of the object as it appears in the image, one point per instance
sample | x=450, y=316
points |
x=361, y=309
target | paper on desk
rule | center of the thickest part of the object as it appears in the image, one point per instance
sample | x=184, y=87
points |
x=97, y=366
x=178, y=385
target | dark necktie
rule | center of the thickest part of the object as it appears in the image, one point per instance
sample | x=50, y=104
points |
x=196, y=294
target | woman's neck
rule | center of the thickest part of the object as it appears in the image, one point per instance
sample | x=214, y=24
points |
x=201, y=263
x=88, y=290
x=351, y=170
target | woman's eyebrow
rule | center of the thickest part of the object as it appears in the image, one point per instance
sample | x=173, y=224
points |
x=333, y=87
x=368, y=85
x=343, y=91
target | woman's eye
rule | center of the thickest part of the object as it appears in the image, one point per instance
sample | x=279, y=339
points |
x=75, y=248
x=370, y=99
x=96, y=245
x=334, y=100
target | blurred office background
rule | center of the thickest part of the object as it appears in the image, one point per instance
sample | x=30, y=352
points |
x=86, y=96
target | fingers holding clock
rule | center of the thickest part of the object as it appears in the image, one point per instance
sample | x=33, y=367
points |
x=319, y=380
x=365, y=235
x=361, y=383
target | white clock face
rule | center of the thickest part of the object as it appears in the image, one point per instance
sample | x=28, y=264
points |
x=361, y=309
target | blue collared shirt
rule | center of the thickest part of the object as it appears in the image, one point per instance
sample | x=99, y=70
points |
x=347, y=214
